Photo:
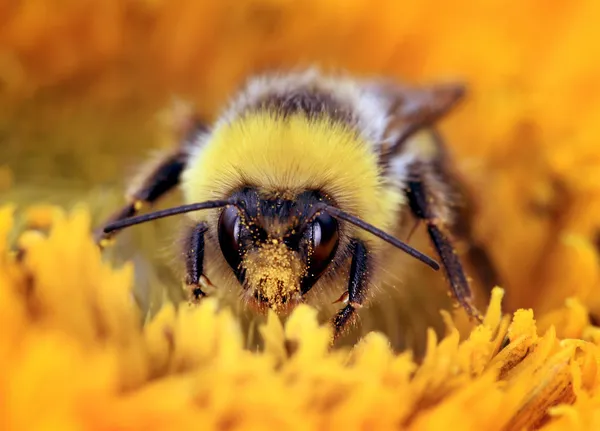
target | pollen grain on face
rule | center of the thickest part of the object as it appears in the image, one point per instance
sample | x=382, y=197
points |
x=273, y=272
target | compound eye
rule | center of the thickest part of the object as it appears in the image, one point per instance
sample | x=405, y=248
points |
x=324, y=239
x=229, y=236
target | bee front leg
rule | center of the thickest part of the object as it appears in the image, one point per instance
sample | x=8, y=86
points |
x=357, y=288
x=195, y=279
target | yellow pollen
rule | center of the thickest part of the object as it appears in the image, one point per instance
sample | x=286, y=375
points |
x=274, y=270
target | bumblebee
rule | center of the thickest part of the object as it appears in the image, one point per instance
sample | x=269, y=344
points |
x=303, y=186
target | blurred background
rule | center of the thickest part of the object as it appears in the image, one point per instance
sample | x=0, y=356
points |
x=84, y=85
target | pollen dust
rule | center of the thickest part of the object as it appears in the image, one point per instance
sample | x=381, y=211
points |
x=274, y=271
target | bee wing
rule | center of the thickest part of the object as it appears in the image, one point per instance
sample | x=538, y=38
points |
x=412, y=109
x=422, y=167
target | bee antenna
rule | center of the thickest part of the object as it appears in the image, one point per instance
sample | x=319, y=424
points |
x=336, y=212
x=121, y=224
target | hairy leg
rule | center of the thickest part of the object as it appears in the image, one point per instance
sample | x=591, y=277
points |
x=357, y=288
x=426, y=204
x=195, y=279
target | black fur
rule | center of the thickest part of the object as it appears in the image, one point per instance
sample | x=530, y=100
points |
x=311, y=102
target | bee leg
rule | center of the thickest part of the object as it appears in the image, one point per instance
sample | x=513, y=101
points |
x=165, y=175
x=414, y=110
x=430, y=208
x=357, y=288
x=162, y=179
x=477, y=254
x=195, y=280
x=461, y=226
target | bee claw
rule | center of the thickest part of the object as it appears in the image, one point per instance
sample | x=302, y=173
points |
x=205, y=282
x=343, y=299
x=200, y=290
x=196, y=294
x=103, y=240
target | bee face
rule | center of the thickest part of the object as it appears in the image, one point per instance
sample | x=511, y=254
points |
x=277, y=246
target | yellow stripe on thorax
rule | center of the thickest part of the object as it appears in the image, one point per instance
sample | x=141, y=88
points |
x=290, y=155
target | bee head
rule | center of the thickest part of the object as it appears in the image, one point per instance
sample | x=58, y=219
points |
x=278, y=246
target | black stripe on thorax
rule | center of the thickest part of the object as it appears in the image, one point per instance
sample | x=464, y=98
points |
x=312, y=102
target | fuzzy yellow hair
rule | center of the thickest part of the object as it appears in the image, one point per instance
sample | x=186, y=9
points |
x=290, y=155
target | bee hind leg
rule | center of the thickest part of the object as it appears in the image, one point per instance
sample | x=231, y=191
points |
x=357, y=289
